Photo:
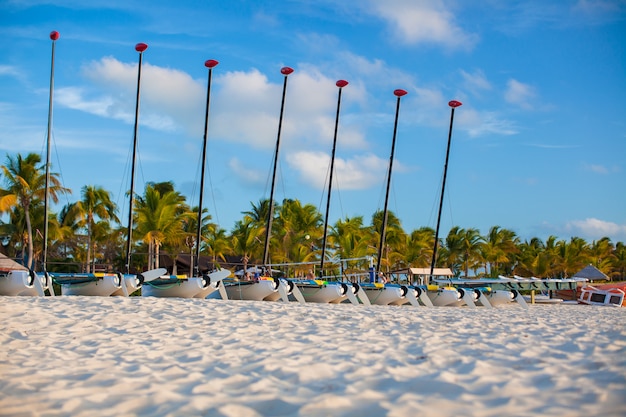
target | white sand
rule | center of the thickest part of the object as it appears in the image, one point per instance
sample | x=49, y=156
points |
x=92, y=356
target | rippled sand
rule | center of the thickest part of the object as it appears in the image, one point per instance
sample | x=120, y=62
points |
x=92, y=356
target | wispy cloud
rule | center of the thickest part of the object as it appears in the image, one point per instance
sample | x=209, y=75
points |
x=519, y=94
x=475, y=82
x=423, y=22
x=601, y=169
x=593, y=228
x=10, y=71
x=480, y=123
x=599, y=11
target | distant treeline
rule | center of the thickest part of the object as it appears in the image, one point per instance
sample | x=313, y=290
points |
x=88, y=234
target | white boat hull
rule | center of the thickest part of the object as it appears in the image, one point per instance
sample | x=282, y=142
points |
x=103, y=286
x=21, y=283
x=251, y=290
x=175, y=288
x=389, y=294
x=132, y=284
x=499, y=297
x=324, y=292
x=444, y=297
x=183, y=287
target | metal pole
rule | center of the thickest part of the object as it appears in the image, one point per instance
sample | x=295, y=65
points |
x=340, y=84
x=399, y=94
x=54, y=35
x=140, y=47
x=270, y=216
x=453, y=104
x=196, y=265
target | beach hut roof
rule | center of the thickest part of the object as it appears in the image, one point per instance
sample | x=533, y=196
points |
x=591, y=273
x=8, y=264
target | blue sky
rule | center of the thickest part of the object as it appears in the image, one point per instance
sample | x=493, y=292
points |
x=539, y=145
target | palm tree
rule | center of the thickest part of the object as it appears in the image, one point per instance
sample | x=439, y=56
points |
x=498, y=250
x=602, y=254
x=160, y=220
x=218, y=244
x=293, y=224
x=394, y=247
x=246, y=240
x=451, y=252
x=96, y=203
x=26, y=181
x=419, y=246
x=573, y=255
x=351, y=240
x=618, y=262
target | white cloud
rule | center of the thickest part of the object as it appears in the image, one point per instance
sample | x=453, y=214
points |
x=246, y=174
x=170, y=99
x=483, y=123
x=244, y=104
x=519, y=94
x=11, y=71
x=423, y=21
x=357, y=173
x=475, y=82
x=596, y=229
x=598, y=169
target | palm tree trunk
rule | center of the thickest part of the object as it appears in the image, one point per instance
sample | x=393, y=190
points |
x=88, y=245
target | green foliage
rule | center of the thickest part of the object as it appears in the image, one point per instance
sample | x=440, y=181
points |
x=86, y=234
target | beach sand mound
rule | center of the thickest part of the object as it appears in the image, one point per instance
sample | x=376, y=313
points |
x=91, y=356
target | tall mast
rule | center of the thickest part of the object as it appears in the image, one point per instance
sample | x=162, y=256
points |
x=398, y=93
x=453, y=105
x=140, y=47
x=270, y=215
x=210, y=64
x=54, y=35
x=340, y=84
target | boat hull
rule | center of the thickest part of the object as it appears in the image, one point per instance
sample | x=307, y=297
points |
x=387, y=294
x=251, y=290
x=499, y=297
x=444, y=297
x=176, y=288
x=322, y=291
x=103, y=286
x=21, y=283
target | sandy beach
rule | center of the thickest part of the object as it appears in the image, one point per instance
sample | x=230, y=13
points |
x=98, y=356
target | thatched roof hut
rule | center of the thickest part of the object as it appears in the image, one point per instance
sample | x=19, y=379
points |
x=591, y=273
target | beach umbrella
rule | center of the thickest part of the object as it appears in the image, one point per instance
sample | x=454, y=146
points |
x=340, y=84
x=453, y=105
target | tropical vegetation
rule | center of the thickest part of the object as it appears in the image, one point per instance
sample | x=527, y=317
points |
x=87, y=235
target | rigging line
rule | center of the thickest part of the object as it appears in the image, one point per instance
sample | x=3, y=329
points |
x=449, y=201
x=121, y=194
x=56, y=153
x=143, y=178
x=196, y=186
x=323, y=193
x=338, y=192
x=210, y=178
